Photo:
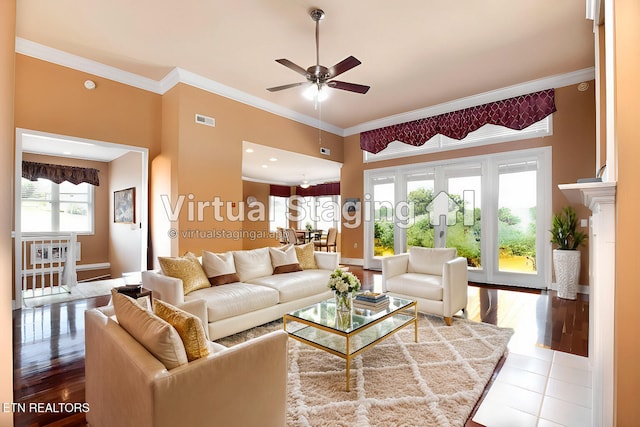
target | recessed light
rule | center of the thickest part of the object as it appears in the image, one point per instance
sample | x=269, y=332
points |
x=265, y=166
x=249, y=150
x=273, y=159
x=66, y=152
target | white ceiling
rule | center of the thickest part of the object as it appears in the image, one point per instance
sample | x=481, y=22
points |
x=415, y=53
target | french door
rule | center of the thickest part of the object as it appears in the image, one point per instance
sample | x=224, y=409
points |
x=494, y=209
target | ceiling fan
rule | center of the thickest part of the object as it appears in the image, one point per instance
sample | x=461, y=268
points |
x=318, y=75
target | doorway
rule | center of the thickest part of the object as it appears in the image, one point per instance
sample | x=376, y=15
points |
x=122, y=247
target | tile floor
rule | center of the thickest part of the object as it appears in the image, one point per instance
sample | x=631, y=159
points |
x=538, y=387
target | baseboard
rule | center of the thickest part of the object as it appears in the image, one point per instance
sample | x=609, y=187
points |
x=352, y=261
x=582, y=289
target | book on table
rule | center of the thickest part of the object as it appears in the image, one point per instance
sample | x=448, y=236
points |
x=371, y=297
x=376, y=302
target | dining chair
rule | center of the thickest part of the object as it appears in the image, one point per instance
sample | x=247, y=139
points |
x=329, y=242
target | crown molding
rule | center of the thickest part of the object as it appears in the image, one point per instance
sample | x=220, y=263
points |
x=65, y=59
x=179, y=75
x=559, y=80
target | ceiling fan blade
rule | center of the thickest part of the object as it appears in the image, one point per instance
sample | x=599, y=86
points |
x=298, y=69
x=351, y=87
x=342, y=66
x=277, y=88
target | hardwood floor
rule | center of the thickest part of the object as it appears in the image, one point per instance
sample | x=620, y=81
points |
x=48, y=350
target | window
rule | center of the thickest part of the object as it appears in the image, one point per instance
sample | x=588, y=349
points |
x=47, y=207
x=278, y=212
x=321, y=212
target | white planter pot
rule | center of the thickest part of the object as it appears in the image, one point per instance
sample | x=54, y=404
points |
x=566, y=265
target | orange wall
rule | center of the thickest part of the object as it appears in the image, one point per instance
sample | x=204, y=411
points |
x=257, y=234
x=7, y=132
x=627, y=295
x=208, y=162
x=124, y=239
x=573, y=144
x=94, y=248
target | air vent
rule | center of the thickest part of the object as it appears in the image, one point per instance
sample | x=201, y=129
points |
x=204, y=120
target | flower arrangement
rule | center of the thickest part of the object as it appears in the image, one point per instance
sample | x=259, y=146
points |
x=343, y=282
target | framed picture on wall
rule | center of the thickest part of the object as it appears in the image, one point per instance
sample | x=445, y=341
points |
x=124, y=206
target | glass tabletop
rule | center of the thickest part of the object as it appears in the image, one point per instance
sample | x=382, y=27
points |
x=324, y=314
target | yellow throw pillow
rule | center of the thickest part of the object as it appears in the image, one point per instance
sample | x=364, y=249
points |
x=187, y=269
x=306, y=259
x=189, y=328
x=156, y=335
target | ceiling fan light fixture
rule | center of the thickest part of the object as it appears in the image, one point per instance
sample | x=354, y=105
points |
x=305, y=184
x=316, y=92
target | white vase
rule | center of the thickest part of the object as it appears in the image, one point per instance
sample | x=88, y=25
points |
x=566, y=265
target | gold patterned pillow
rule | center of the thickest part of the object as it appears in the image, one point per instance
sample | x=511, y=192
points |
x=306, y=258
x=186, y=268
x=189, y=328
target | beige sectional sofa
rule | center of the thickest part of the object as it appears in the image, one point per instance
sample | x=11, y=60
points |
x=261, y=286
x=134, y=380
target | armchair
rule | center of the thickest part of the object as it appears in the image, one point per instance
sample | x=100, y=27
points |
x=436, y=278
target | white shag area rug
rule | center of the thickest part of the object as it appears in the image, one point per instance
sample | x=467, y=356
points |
x=435, y=382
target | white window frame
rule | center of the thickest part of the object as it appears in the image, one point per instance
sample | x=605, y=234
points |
x=313, y=216
x=489, y=207
x=273, y=224
x=55, y=211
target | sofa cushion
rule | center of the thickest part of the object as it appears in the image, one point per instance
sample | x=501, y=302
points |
x=306, y=258
x=189, y=328
x=219, y=268
x=252, y=263
x=296, y=285
x=235, y=299
x=186, y=268
x=429, y=260
x=284, y=260
x=417, y=285
x=156, y=335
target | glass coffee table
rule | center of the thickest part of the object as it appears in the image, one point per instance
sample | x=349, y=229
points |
x=347, y=335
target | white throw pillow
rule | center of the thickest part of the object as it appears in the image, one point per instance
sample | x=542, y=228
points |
x=429, y=260
x=253, y=263
x=219, y=268
x=157, y=336
x=284, y=260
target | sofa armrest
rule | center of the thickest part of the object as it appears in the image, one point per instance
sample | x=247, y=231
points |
x=244, y=385
x=455, y=282
x=197, y=307
x=165, y=288
x=327, y=260
x=392, y=266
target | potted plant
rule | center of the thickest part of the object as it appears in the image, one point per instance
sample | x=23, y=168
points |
x=566, y=258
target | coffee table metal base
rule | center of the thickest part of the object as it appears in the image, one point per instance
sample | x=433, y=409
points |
x=350, y=343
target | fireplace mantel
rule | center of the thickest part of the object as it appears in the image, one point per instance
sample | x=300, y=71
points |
x=600, y=198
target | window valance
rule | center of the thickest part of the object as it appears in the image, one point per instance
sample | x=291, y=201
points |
x=60, y=173
x=515, y=113
x=328, y=189
x=279, y=190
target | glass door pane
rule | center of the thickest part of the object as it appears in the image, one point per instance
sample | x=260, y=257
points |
x=517, y=196
x=383, y=216
x=420, y=192
x=464, y=187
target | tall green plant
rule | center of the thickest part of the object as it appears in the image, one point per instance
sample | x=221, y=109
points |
x=563, y=230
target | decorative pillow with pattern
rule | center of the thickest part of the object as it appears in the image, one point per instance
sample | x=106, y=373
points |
x=186, y=268
x=306, y=258
x=284, y=261
x=156, y=335
x=219, y=268
x=189, y=328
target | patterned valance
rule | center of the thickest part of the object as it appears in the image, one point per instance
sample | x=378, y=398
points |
x=515, y=113
x=60, y=173
x=328, y=189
